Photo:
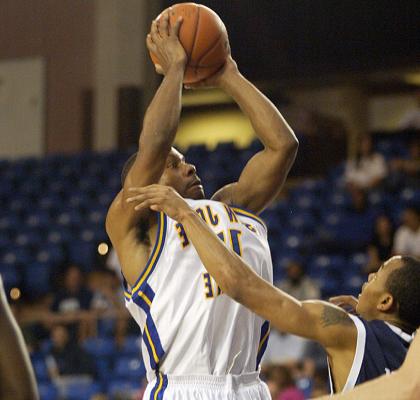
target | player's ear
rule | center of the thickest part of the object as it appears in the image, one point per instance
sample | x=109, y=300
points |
x=386, y=302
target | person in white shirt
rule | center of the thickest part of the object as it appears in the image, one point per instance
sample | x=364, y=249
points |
x=368, y=169
x=407, y=236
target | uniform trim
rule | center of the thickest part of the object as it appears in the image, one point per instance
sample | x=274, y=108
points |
x=246, y=213
x=159, y=388
x=265, y=333
x=358, y=357
x=154, y=256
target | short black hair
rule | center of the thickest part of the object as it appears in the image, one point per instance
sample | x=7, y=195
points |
x=127, y=166
x=404, y=285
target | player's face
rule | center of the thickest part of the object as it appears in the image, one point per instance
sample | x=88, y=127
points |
x=182, y=176
x=374, y=289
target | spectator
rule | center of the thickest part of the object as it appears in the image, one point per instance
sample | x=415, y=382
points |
x=407, y=236
x=72, y=302
x=406, y=171
x=368, y=169
x=282, y=380
x=381, y=246
x=298, y=284
x=108, y=304
x=68, y=363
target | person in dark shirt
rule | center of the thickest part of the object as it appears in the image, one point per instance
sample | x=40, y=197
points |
x=73, y=302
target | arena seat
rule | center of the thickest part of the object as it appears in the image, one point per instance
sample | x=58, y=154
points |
x=47, y=391
x=100, y=347
x=129, y=367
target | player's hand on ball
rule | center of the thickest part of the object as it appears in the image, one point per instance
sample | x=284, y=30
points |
x=163, y=40
x=219, y=78
x=349, y=303
x=159, y=198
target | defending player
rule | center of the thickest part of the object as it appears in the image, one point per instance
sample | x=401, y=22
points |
x=195, y=341
x=359, y=348
x=17, y=378
x=403, y=384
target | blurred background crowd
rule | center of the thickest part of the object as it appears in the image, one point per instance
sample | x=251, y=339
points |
x=74, y=83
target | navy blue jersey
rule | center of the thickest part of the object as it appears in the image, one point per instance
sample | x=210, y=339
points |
x=381, y=348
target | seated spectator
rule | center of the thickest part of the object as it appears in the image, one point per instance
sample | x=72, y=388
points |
x=407, y=236
x=67, y=363
x=298, y=284
x=368, y=169
x=72, y=302
x=381, y=246
x=108, y=304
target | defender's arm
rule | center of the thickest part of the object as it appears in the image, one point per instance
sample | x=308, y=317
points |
x=317, y=320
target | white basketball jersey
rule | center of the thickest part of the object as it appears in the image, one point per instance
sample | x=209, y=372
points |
x=189, y=326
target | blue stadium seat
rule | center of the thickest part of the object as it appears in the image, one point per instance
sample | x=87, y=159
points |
x=36, y=278
x=129, y=367
x=100, y=347
x=82, y=391
x=41, y=371
x=121, y=388
x=131, y=346
x=47, y=391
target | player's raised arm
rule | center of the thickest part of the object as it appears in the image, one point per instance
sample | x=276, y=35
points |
x=317, y=320
x=264, y=175
x=160, y=121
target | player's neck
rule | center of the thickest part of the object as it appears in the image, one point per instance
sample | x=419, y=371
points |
x=394, y=320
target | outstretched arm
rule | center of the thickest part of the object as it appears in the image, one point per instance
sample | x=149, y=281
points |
x=264, y=175
x=403, y=384
x=317, y=320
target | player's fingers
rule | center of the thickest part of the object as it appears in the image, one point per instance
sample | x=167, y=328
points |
x=154, y=30
x=150, y=44
x=177, y=26
x=146, y=204
x=164, y=24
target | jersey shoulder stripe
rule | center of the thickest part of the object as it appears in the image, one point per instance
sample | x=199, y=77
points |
x=154, y=256
x=246, y=213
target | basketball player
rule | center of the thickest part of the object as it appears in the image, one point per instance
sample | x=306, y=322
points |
x=359, y=348
x=17, y=379
x=403, y=384
x=196, y=342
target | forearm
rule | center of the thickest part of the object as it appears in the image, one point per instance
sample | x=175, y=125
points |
x=222, y=264
x=238, y=280
x=162, y=116
x=269, y=125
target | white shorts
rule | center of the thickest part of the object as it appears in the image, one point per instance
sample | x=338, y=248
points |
x=207, y=387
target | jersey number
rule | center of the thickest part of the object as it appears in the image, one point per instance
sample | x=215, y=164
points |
x=235, y=243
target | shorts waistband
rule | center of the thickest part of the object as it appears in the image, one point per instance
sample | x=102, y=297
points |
x=215, y=380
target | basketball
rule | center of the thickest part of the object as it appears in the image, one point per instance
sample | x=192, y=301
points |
x=204, y=38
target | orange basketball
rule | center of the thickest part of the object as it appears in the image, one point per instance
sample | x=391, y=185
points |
x=204, y=38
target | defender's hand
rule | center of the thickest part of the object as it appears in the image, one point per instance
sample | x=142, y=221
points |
x=160, y=198
x=349, y=303
x=163, y=41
